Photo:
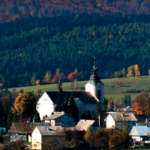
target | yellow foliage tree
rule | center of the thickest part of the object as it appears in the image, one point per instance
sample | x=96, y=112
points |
x=18, y=104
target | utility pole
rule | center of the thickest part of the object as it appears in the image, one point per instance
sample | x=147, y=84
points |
x=99, y=120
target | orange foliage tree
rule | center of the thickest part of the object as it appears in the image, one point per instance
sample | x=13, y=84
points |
x=141, y=104
x=71, y=76
x=136, y=70
x=54, y=79
x=115, y=102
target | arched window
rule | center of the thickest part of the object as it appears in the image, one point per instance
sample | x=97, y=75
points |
x=99, y=94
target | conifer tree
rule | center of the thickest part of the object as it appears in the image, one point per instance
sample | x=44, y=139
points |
x=73, y=108
x=9, y=118
x=58, y=104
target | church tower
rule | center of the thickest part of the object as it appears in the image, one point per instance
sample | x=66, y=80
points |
x=95, y=86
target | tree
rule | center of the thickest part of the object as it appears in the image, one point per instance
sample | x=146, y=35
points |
x=136, y=70
x=73, y=108
x=89, y=136
x=47, y=78
x=25, y=105
x=127, y=100
x=33, y=80
x=141, y=104
x=119, y=140
x=101, y=139
x=58, y=106
x=37, y=82
x=88, y=114
x=36, y=117
x=123, y=72
x=71, y=76
x=9, y=118
x=131, y=72
x=66, y=104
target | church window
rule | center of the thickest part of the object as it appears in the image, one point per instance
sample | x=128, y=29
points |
x=99, y=94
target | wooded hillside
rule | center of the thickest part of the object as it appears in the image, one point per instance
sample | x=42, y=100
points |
x=10, y=10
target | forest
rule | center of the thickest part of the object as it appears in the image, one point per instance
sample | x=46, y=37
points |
x=30, y=48
x=10, y=10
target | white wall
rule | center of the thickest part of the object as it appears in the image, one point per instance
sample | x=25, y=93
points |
x=90, y=88
x=110, y=123
x=36, y=139
x=45, y=106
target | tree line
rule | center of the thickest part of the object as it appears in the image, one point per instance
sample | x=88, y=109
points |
x=14, y=9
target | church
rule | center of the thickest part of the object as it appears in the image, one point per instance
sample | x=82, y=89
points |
x=85, y=100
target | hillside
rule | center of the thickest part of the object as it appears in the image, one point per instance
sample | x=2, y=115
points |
x=11, y=10
x=112, y=89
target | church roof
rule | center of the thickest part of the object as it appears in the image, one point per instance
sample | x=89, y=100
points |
x=85, y=97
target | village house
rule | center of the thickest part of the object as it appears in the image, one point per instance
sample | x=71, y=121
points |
x=120, y=120
x=140, y=134
x=60, y=119
x=48, y=137
x=86, y=100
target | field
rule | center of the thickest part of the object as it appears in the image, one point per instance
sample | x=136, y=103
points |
x=112, y=89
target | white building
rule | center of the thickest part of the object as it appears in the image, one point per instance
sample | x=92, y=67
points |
x=86, y=100
x=120, y=120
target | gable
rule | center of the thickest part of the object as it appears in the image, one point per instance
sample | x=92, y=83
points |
x=36, y=132
x=134, y=132
x=45, y=99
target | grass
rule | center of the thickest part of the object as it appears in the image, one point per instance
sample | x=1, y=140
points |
x=112, y=90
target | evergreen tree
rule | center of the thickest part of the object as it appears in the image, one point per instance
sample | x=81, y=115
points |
x=37, y=117
x=73, y=108
x=66, y=104
x=9, y=118
x=88, y=114
x=58, y=104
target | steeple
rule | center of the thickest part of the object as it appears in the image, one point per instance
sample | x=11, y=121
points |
x=94, y=78
x=95, y=86
x=59, y=86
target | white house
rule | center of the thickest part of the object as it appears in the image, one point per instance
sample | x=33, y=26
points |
x=120, y=120
x=86, y=100
x=48, y=137
x=140, y=133
x=60, y=119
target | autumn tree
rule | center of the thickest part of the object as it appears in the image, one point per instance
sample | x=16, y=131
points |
x=141, y=104
x=119, y=140
x=33, y=80
x=25, y=105
x=136, y=70
x=101, y=139
x=47, y=78
x=89, y=136
x=37, y=82
x=131, y=72
x=54, y=79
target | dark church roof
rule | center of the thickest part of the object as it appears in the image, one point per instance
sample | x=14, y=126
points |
x=85, y=97
x=94, y=78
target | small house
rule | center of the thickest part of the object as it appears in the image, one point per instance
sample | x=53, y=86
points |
x=48, y=137
x=60, y=119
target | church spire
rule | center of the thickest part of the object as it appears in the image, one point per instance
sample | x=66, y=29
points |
x=59, y=86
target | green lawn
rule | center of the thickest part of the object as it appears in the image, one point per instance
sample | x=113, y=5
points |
x=111, y=88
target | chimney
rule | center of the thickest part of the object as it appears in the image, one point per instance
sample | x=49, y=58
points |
x=122, y=114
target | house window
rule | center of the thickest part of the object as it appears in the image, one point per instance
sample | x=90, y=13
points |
x=99, y=94
x=55, y=139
